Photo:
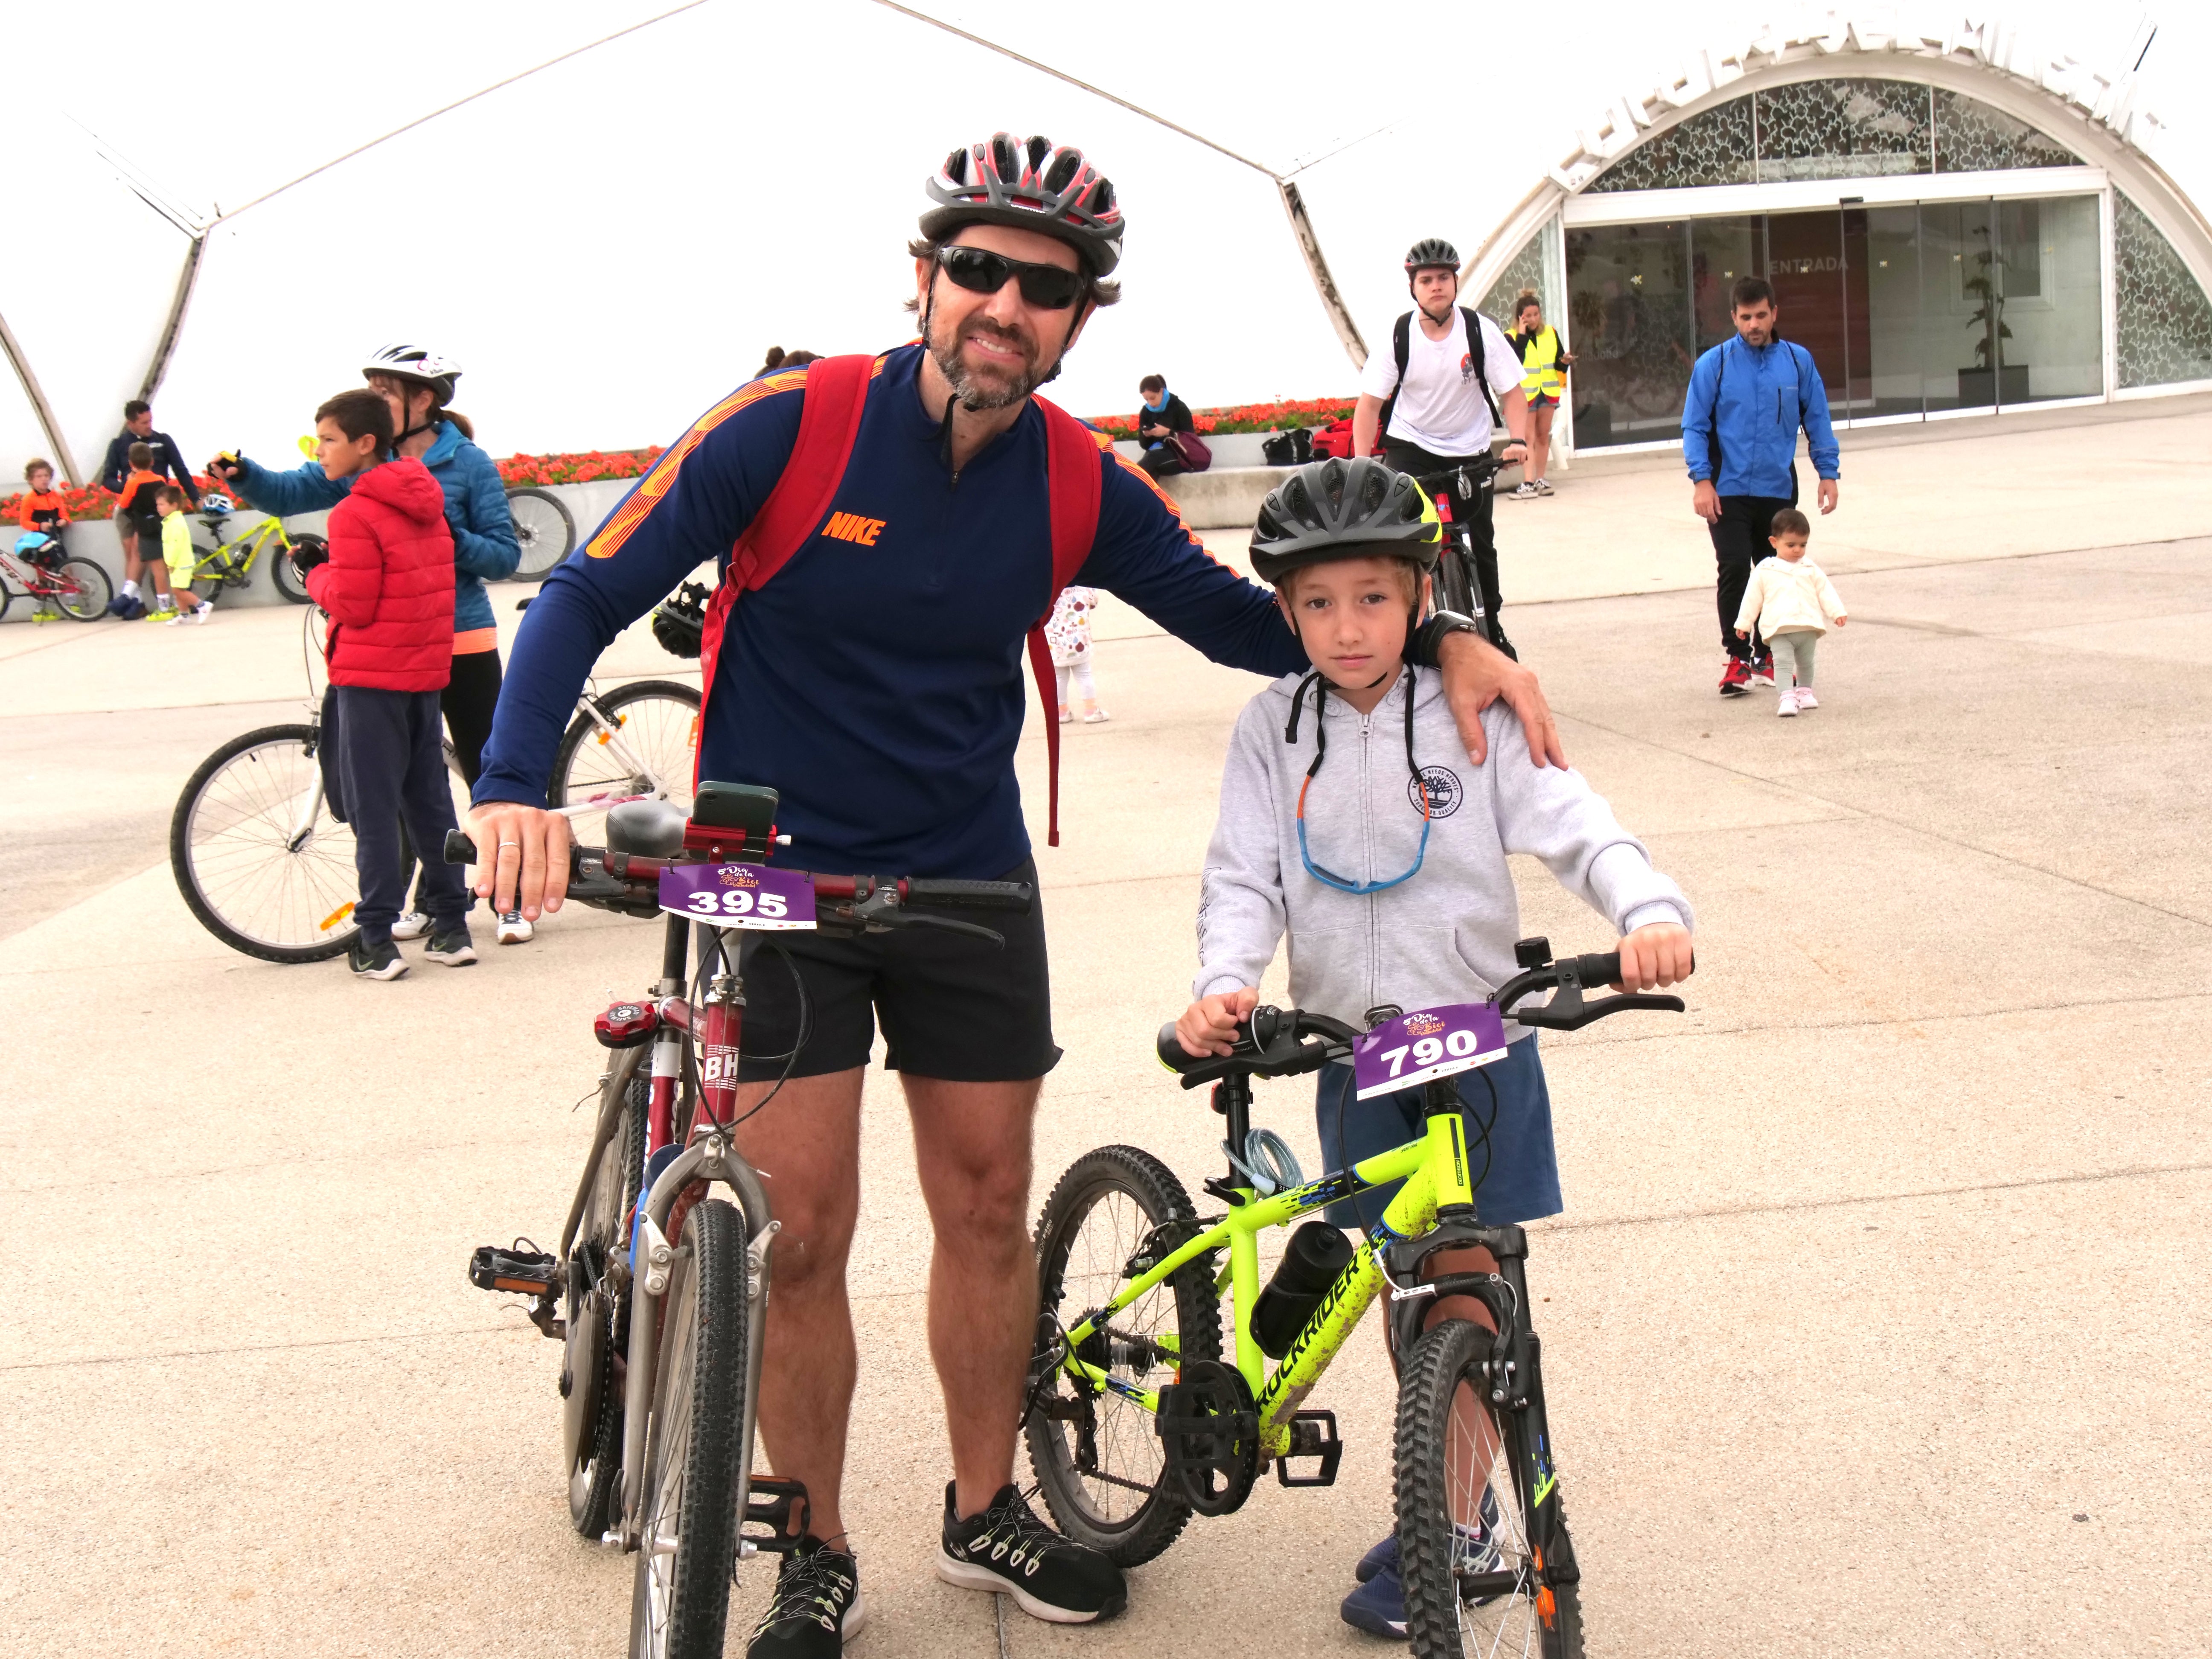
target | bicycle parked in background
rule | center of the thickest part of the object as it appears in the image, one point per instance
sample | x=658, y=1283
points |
x=56, y=585
x=268, y=870
x=542, y=529
x=1135, y=1421
x=230, y=563
x=659, y=1292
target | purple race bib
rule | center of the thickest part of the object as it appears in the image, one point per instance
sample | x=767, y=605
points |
x=1414, y=1048
x=740, y=896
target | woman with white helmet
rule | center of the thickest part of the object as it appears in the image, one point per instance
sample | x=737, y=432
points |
x=418, y=384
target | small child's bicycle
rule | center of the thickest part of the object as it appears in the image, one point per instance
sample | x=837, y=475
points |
x=56, y=584
x=1135, y=1422
x=230, y=564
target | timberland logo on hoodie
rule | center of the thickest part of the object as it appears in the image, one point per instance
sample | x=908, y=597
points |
x=1444, y=787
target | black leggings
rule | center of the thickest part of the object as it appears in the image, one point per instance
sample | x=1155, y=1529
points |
x=1739, y=541
x=467, y=702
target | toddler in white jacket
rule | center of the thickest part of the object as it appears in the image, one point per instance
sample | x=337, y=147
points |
x=1791, y=602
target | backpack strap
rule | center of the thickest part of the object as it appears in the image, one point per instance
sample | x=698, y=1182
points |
x=1071, y=476
x=1476, y=350
x=829, y=420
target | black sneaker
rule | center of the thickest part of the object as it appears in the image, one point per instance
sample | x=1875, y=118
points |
x=817, y=1608
x=374, y=961
x=1008, y=1550
x=451, y=945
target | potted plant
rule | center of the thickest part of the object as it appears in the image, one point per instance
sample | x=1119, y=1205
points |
x=1992, y=380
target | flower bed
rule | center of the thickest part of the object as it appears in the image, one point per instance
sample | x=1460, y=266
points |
x=83, y=505
x=579, y=467
x=1278, y=417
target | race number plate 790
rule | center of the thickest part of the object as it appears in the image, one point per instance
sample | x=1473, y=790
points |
x=740, y=896
x=1428, y=1043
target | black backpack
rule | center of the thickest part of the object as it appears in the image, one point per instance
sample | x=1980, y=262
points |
x=1401, y=341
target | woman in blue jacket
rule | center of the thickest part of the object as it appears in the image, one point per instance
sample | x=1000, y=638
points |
x=418, y=384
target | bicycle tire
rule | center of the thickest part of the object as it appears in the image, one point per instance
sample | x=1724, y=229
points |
x=667, y=717
x=90, y=589
x=543, y=530
x=591, y=1414
x=1153, y=1195
x=681, y=1610
x=1456, y=589
x=286, y=574
x=315, y=883
x=1439, y=1623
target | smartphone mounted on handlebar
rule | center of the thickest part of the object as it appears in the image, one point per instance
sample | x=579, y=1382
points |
x=748, y=808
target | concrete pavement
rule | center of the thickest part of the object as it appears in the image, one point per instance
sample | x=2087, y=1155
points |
x=1880, y=1268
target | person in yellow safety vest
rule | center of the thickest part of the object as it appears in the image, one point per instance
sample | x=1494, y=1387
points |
x=1543, y=381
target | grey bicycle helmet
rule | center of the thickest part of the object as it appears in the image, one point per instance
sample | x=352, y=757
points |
x=414, y=363
x=1031, y=184
x=1431, y=252
x=1344, y=509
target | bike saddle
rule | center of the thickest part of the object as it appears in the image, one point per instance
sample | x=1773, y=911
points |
x=650, y=829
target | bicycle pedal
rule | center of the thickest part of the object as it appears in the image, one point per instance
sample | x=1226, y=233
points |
x=515, y=1270
x=1313, y=1434
x=771, y=1501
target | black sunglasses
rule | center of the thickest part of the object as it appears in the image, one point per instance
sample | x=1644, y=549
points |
x=1048, y=287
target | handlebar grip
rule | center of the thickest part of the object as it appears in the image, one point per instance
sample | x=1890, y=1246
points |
x=460, y=849
x=1017, y=896
x=1169, y=1050
x=1598, y=969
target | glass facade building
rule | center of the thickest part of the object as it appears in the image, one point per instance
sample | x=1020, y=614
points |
x=1933, y=254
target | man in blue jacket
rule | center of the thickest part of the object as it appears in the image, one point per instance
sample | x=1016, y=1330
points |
x=1747, y=398
x=877, y=684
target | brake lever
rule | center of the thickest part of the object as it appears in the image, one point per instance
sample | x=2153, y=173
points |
x=923, y=919
x=1567, y=1011
x=876, y=907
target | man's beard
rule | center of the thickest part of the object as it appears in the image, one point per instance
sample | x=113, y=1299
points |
x=975, y=392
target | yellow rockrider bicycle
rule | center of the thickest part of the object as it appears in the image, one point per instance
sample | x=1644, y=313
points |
x=230, y=564
x=1135, y=1422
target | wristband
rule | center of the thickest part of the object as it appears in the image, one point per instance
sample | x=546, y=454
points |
x=1430, y=635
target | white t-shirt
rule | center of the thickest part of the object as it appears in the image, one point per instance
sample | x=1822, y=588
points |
x=1441, y=408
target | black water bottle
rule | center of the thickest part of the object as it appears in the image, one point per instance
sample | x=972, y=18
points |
x=1318, y=1253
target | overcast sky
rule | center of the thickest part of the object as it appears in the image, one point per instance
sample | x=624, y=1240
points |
x=611, y=246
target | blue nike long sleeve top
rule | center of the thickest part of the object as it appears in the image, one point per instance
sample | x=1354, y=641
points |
x=1765, y=392
x=876, y=685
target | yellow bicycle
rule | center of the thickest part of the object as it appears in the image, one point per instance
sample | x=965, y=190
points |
x=230, y=564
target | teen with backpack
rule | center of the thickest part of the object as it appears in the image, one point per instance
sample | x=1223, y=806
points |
x=891, y=532
x=1436, y=397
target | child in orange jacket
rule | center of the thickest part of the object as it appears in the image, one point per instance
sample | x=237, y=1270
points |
x=138, y=522
x=41, y=507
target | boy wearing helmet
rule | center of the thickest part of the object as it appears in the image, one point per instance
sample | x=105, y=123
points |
x=1353, y=826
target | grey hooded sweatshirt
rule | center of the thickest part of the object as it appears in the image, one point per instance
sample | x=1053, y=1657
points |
x=1447, y=935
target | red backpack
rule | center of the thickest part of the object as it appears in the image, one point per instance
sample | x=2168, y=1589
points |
x=837, y=393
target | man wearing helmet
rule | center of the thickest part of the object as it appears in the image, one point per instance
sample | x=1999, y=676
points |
x=876, y=684
x=1386, y=868
x=1438, y=395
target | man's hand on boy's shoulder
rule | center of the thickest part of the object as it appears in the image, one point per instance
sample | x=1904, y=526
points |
x=1654, y=956
x=1477, y=674
x=1209, y=1026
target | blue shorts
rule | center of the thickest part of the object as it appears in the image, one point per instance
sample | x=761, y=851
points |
x=1523, y=1181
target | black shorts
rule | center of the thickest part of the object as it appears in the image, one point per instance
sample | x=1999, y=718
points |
x=950, y=1008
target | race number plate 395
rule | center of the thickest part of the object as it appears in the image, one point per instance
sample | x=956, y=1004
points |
x=1430, y=1042
x=740, y=896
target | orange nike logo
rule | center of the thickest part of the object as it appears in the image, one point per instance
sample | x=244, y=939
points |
x=852, y=527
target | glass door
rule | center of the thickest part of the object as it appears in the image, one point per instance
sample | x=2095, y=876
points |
x=2050, y=331
x=1805, y=263
x=1961, y=273
x=1885, y=245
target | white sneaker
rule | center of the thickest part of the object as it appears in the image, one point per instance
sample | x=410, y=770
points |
x=1524, y=491
x=1543, y=486
x=203, y=614
x=412, y=924
x=1095, y=716
x=173, y=619
x=1066, y=715
x=513, y=929
x=1806, y=699
x=1788, y=705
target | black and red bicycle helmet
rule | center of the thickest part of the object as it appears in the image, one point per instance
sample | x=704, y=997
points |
x=1031, y=184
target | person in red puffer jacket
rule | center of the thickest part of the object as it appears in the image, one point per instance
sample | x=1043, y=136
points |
x=388, y=585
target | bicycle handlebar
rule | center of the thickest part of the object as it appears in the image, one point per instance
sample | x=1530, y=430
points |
x=1287, y=1041
x=629, y=882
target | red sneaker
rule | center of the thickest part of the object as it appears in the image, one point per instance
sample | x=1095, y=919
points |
x=1736, y=678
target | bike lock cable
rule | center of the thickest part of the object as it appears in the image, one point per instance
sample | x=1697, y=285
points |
x=806, y=1032
x=1268, y=1163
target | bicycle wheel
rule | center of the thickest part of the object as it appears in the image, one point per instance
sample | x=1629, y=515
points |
x=649, y=745
x=257, y=878
x=82, y=590
x=282, y=571
x=1097, y=1457
x=1456, y=589
x=598, y=1323
x=545, y=529
x=681, y=1604
x=1454, y=1452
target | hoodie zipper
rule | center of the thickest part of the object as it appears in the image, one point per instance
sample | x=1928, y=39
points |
x=1367, y=840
